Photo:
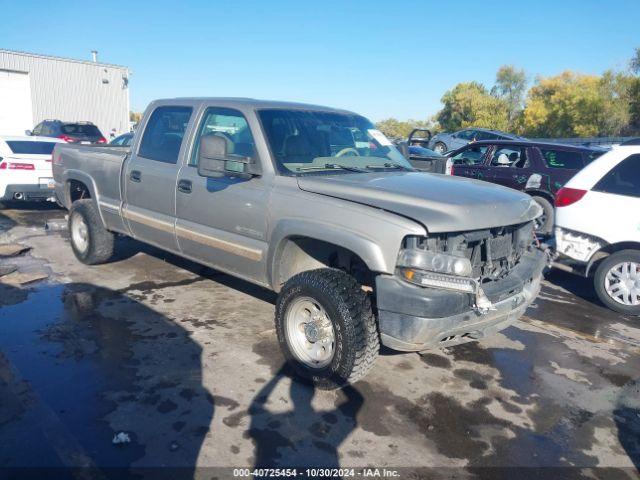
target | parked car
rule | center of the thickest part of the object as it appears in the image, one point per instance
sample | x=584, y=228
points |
x=446, y=142
x=70, y=132
x=539, y=169
x=319, y=206
x=25, y=168
x=597, y=231
x=123, y=140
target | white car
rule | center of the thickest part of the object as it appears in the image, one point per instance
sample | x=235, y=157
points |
x=597, y=230
x=25, y=168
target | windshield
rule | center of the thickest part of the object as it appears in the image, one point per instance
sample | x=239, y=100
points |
x=31, y=148
x=310, y=141
x=81, y=129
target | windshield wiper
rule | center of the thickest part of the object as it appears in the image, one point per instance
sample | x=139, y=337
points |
x=391, y=165
x=334, y=166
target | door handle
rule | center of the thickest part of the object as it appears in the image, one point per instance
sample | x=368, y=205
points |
x=135, y=176
x=184, y=186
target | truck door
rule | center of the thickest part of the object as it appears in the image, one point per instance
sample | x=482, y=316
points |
x=470, y=162
x=222, y=222
x=150, y=176
x=510, y=166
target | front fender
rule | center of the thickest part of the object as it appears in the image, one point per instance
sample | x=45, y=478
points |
x=366, y=248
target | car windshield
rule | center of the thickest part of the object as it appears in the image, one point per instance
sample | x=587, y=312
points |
x=31, y=148
x=305, y=141
x=81, y=129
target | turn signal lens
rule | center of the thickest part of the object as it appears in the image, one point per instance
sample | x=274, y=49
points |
x=568, y=196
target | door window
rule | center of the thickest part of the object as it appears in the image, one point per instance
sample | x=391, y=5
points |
x=486, y=136
x=37, y=130
x=471, y=156
x=562, y=159
x=466, y=135
x=232, y=126
x=623, y=179
x=164, y=133
x=514, y=157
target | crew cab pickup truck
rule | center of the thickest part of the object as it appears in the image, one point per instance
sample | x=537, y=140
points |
x=319, y=206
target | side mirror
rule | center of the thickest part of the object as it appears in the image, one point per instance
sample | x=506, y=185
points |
x=214, y=161
x=28, y=133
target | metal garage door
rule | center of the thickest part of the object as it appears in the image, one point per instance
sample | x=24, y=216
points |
x=16, y=115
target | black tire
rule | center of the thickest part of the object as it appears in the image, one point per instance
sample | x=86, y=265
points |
x=599, y=280
x=440, y=148
x=348, y=308
x=100, y=241
x=544, y=224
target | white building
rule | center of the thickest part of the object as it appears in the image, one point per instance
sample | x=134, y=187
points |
x=39, y=87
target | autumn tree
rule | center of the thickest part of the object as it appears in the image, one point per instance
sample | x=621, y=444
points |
x=576, y=105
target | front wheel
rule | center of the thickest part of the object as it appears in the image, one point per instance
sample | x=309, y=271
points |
x=543, y=225
x=440, y=148
x=326, y=328
x=617, y=282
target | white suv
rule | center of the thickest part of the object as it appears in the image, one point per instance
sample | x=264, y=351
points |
x=598, y=226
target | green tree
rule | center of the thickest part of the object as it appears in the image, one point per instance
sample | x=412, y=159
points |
x=634, y=64
x=634, y=94
x=394, y=128
x=471, y=105
x=511, y=86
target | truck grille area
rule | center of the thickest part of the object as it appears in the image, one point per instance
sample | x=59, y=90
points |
x=493, y=252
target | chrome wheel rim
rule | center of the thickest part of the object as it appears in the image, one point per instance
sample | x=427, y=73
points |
x=79, y=232
x=310, y=333
x=622, y=283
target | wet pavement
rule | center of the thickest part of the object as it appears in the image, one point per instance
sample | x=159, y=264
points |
x=183, y=360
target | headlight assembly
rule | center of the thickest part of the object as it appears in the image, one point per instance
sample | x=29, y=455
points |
x=435, y=262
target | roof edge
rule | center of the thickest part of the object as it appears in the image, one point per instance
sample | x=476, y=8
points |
x=65, y=59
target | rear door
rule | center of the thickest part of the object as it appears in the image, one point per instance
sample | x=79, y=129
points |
x=470, y=162
x=222, y=221
x=615, y=202
x=151, y=173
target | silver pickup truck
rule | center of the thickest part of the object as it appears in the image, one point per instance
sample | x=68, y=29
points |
x=319, y=206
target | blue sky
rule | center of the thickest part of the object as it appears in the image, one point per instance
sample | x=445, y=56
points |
x=380, y=58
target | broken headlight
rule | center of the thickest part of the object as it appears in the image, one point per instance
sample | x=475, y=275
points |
x=435, y=262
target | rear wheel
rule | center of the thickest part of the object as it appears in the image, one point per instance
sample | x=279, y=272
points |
x=617, y=282
x=544, y=223
x=440, y=147
x=91, y=242
x=326, y=328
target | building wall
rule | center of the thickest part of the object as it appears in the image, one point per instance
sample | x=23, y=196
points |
x=74, y=90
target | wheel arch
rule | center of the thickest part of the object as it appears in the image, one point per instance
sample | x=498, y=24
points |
x=606, y=251
x=299, y=246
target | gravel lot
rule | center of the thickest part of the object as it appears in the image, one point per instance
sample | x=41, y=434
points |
x=183, y=360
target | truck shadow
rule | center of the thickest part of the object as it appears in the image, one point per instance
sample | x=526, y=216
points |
x=300, y=436
x=84, y=384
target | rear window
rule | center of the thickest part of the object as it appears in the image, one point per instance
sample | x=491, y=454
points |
x=163, y=134
x=562, y=159
x=81, y=129
x=31, y=148
x=623, y=179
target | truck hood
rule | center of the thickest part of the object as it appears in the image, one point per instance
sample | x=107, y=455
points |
x=441, y=203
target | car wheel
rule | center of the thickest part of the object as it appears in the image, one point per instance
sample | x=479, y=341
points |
x=91, y=242
x=543, y=225
x=326, y=328
x=617, y=282
x=440, y=147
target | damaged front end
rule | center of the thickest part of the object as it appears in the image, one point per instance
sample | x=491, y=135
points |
x=447, y=286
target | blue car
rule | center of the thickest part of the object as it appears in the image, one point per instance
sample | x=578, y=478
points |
x=446, y=142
